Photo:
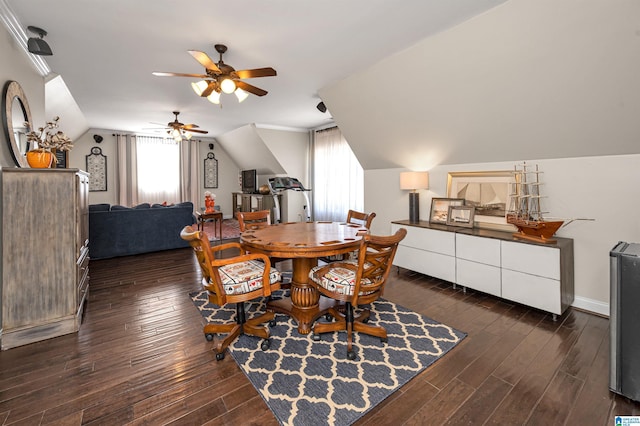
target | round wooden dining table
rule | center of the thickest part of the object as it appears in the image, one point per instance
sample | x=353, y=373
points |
x=303, y=243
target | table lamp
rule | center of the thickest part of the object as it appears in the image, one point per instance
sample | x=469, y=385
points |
x=413, y=181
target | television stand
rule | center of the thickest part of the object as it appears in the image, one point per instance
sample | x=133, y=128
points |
x=244, y=202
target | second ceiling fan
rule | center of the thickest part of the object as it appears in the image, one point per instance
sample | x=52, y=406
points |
x=178, y=130
x=221, y=77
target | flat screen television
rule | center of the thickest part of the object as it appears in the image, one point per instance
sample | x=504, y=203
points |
x=249, y=181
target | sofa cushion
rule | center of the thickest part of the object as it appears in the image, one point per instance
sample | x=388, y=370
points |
x=143, y=206
x=119, y=207
x=104, y=207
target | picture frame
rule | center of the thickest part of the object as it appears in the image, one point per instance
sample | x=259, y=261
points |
x=461, y=216
x=487, y=192
x=440, y=209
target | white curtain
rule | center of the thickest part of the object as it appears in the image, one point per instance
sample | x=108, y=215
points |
x=189, y=172
x=338, y=178
x=126, y=171
x=158, y=169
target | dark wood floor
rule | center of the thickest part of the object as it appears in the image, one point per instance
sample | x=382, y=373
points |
x=140, y=358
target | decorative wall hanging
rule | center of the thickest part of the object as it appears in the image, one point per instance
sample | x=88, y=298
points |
x=210, y=171
x=97, y=168
x=15, y=113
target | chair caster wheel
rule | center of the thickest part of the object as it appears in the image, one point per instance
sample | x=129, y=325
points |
x=351, y=355
x=328, y=317
x=209, y=337
x=316, y=337
x=384, y=340
x=266, y=344
x=220, y=356
x=272, y=323
x=365, y=321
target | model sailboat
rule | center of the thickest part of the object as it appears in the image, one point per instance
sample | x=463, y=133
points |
x=524, y=209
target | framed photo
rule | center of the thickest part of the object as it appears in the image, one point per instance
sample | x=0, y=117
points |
x=440, y=208
x=487, y=192
x=461, y=216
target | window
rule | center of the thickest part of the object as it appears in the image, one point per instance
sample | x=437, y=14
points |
x=338, y=181
x=158, y=169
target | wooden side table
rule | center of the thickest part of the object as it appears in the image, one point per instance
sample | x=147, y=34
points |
x=216, y=217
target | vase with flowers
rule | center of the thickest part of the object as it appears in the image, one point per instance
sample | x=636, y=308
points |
x=209, y=202
x=43, y=141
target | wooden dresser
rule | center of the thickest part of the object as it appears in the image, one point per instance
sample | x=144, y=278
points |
x=45, y=253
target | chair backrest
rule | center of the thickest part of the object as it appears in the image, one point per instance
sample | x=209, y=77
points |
x=375, y=259
x=253, y=220
x=199, y=241
x=360, y=218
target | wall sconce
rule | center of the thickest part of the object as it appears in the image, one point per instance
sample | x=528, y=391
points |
x=413, y=181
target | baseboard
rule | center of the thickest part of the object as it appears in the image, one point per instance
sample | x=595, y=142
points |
x=595, y=306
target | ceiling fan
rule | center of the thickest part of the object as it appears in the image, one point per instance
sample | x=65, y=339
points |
x=178, y=130
x=221, y=77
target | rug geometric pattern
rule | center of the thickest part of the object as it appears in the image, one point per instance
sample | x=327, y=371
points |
x=305, y=382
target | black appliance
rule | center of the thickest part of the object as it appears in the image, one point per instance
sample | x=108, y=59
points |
x=624, y=320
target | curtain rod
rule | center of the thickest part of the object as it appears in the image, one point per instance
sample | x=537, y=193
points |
x=328, y=128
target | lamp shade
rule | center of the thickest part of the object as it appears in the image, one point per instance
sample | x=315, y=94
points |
x=414, y=180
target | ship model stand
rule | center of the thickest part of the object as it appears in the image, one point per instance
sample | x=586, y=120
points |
x=524, y=210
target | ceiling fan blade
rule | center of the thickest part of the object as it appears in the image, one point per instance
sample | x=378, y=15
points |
x=190, y=126
x=196, y=131
x=205, y=60
x=210, y=88
x=251, y=89
x=258, y=72
x=179, y=74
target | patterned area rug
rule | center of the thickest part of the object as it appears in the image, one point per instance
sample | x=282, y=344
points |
x=305, y=382
x=230, y=229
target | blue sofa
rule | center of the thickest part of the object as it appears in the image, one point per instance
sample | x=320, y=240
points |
x=122, y=231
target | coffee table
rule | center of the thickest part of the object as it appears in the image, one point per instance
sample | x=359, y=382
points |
x=304, y=243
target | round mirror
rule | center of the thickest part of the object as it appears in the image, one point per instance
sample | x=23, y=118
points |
x=16, y=113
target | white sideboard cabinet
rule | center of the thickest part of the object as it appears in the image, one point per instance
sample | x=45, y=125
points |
x=45, y=253
x=494, y=262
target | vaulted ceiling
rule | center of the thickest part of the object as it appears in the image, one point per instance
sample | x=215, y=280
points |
x=106, y=52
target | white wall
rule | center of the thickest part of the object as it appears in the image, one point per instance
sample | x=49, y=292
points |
x=601, y=188
x=291, y=148
x=526, y=79
x=14, y=65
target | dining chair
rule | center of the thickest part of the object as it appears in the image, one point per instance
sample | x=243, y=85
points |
x=357, y=218
x=253, y=220
x=236, y=279
x=356, y=283
x=360, y=218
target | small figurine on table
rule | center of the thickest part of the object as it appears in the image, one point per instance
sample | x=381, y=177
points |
x=209, y=202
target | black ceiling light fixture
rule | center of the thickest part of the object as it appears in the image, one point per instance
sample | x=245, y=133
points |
x=322, y=107
x=38, y=46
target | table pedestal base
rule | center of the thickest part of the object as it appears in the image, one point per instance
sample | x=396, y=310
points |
x=305, y=304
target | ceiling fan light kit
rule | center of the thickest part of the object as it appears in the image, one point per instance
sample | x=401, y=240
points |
x=220, y=77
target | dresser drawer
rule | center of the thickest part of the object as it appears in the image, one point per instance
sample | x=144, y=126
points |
x=478, y=249
x=428, y=239
x=531, y=259
x=539, y=292
x=478, y=276
x=426, y=262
